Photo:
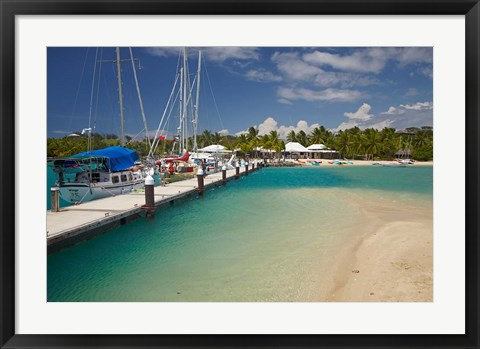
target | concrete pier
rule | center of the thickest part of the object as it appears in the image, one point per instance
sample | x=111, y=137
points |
x=80, y=222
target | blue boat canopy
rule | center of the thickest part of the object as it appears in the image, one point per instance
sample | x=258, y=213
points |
x=119, y=158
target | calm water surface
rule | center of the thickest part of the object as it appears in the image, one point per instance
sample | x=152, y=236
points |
x=270, y=236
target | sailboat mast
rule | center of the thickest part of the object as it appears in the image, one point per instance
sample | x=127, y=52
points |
x=195, y=120
x=120, y=97
x=185, y=77
x=140, y=99
x=180, y=127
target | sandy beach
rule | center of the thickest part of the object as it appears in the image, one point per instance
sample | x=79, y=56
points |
x=392, y=261
x=326, y=162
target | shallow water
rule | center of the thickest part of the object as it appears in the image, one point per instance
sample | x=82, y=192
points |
x=271, y=236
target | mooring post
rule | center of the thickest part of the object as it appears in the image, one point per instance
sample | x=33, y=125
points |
x=149, y=196
x=246, y=168
x=55, y=199
x=200, y=176
x=224, y=175
x=237, y=170
x=253, y=166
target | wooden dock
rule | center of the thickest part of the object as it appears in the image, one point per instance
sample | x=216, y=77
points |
x=81, y=222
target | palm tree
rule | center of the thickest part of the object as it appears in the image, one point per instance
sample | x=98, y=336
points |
x=291, y=136
x=317, y=136
x=265, y=142
x=388, y=137
x=216, y=138
x=205, y=139
x=421, y=138
x=372, y=142
x=254, y=144
x=343, y=143
x=252, y=133
x=302, y=138
x=357, y=144
x=275, y=142
x=329, y=138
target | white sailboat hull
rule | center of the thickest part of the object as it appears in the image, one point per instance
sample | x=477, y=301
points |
x=82, y=192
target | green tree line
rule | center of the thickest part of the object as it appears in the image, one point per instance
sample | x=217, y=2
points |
x=417, y=143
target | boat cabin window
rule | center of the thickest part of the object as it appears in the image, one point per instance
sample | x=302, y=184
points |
x=130, y=177
x=124, y=178
x=114, y=179
x=95, y=177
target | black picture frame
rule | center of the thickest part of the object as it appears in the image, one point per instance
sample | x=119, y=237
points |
x=11, y=8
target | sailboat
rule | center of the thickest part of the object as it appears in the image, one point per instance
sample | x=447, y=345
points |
x=100, y=173
x=97, y=174
x=184, y=95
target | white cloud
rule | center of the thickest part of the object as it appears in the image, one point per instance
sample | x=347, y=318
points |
x=361, y=113
x=359, y=61
x=292, y=67
x=221, y=54
x=418, y=106
x=270, y=124
x=346, y=125
x=381, y=124
x=399, y=117
x=370, y=60
x=284, y=101
x=362, y=119
x=409, y=55
x=328, y=95
x=393, y=111
x=223, y=132
x=239, y=133
x=214, y=54
x=262, y=76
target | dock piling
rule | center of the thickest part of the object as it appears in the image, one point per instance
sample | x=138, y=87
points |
x=200, y=176
x=55, y=199
x=246, y=168
x=237, y=170
x=224, y=175
x=149, y=197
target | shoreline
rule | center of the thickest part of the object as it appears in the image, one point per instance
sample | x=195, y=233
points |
x=391, y=261
x=325, y=162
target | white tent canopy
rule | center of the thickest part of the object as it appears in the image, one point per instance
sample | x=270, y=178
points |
x=214, y=148
x=294, y=147
x=316, y=147
x=201, y=156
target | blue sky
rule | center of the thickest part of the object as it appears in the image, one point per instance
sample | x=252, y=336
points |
x=273, y=88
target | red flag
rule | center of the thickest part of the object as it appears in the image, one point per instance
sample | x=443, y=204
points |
x=161, y=138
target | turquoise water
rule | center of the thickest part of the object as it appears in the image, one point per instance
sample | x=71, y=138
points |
x=270, y=236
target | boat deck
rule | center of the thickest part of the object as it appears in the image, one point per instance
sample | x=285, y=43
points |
x=75, y=220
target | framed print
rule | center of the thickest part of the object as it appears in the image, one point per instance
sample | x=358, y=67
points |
x=323, y=194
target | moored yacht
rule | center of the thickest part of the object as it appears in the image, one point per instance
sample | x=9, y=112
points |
x=100, y=173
